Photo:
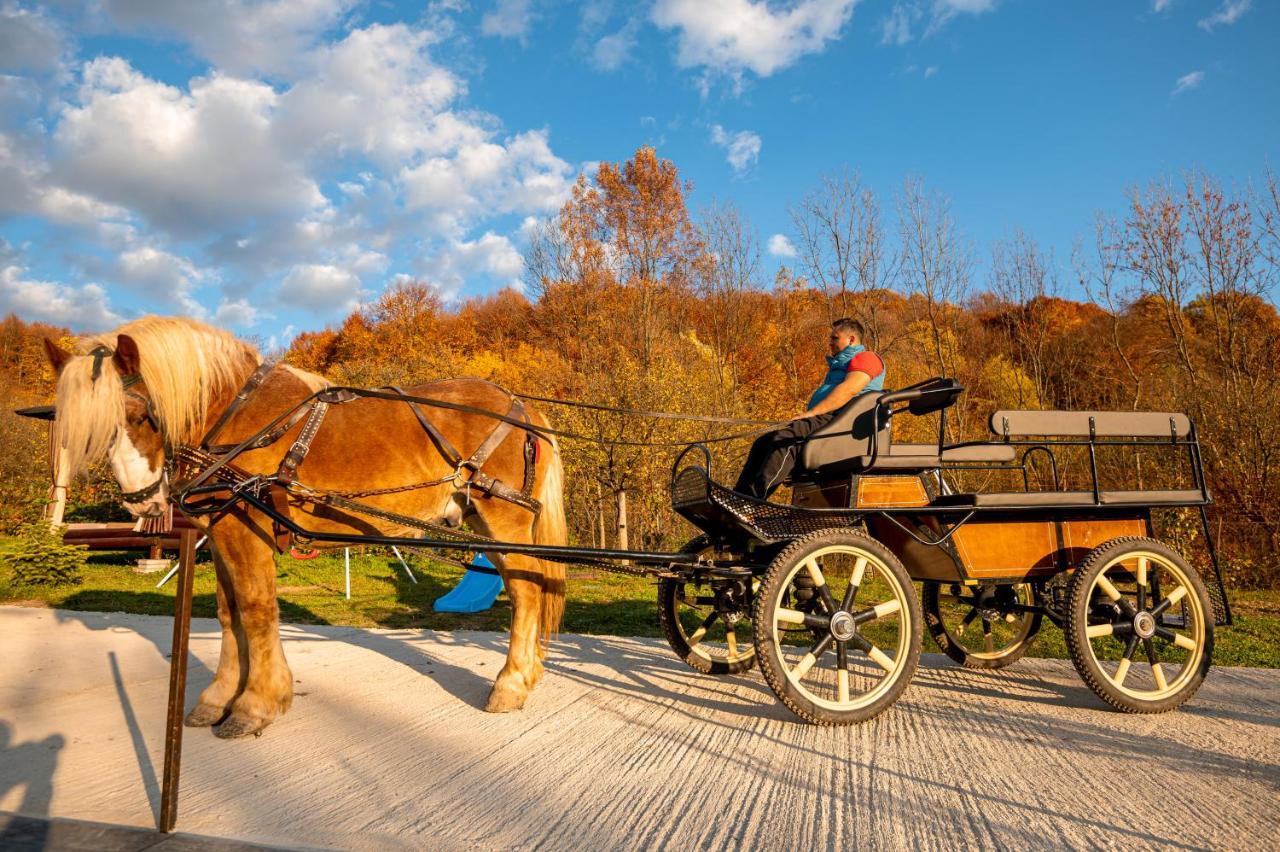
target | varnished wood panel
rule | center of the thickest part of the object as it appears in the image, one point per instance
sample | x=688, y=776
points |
x=1079, y=537
x=890, y=491
x=1007, y=548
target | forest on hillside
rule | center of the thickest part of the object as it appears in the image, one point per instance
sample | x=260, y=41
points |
x=633, y=297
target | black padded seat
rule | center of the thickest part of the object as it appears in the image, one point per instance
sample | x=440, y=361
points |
x=840, y=446
x=895, y=460
x=1017, y=498
x=1141, y=498
x=975, y=452
x=998, y=499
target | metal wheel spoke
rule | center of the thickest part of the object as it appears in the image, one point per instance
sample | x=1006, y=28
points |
x=967, y=620
x=811, y=657
x=802, y=619
x=1180, y=640
x=842, y=672
x=988, y=643
x=855, y=580
x=880, y=610
x=1150, y=648
x=731, y=640
x=696, y=636
x=1174, y=596
x=1097, y=631
x=1142, y=582
x=1126, y=660
x=880, y=658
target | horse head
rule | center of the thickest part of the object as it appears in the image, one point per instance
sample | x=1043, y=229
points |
x=104, y=408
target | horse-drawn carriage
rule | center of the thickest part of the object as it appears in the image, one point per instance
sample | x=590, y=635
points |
x=824, y=585
x=819, y=592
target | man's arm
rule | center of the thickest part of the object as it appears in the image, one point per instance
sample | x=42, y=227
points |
x=852, y=385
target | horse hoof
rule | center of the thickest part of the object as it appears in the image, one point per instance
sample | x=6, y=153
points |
x=505, y=700
x=239, y=726
x=205, y=715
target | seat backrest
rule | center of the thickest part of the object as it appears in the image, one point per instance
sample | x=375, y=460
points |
x=847, y=436
x=1105, y=424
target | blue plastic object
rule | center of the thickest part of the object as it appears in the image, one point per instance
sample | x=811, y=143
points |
x=475, y=592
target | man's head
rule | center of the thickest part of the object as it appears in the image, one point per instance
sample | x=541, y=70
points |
x=844, y=333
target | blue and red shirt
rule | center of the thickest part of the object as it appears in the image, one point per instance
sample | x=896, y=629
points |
x=857, y=358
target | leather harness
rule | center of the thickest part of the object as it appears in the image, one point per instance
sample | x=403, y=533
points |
x=468, y=475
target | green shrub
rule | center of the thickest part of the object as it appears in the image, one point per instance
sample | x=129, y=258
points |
x=39, y=557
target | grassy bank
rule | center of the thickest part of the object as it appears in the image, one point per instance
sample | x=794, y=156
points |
x=312, y=592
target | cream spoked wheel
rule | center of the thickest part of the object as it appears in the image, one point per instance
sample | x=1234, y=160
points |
x=1139, y=625
x=844, y=653
x=988, y=626
x=708, y=624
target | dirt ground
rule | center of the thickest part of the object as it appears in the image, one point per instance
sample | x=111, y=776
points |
x=620, y=747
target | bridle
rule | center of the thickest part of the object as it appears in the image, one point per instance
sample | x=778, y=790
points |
x=100, y=353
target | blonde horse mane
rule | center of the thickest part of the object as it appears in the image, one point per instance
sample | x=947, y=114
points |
x=184, y=365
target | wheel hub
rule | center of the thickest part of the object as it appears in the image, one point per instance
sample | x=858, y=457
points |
x=843, y=626
x=1144, y=625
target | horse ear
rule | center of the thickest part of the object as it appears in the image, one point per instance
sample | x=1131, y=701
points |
x=58, y=357
x=126, y=358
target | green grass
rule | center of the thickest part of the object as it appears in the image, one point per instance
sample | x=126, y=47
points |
x=311, y=592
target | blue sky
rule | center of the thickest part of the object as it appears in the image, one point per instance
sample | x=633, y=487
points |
x=271, y=165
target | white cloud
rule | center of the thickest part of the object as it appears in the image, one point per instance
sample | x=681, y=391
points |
x=378, y=93
x=1188, y=81
x=164, y=279
x=80, y=308
x=781, y=246
x=509, y=19
x=1160, y=5
x=238, y=36
x=29, y=41
x=742, y=148
x=189, y=163
x=491, y=255
x=733, y=35
x=1226, y=14
x=907, y=16
x=611, y=51
x=520, y=176
x=238, y=313
x=322, y=289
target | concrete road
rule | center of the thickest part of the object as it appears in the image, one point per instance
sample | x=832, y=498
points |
x=621, y=747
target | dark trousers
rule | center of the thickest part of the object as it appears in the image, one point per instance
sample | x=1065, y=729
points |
x=773, y=456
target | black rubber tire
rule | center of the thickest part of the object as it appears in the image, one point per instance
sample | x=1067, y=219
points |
x=1078, y=643
x=775, y=584
x=669, y=592
x=950, y=645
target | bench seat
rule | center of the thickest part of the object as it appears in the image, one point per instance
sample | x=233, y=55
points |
x=1069, y=498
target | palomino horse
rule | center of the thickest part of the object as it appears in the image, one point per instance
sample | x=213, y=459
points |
x=160, y=383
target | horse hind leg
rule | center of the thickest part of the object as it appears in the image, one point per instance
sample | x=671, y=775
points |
x=215, y=701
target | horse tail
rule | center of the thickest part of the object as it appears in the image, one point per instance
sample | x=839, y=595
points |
x=550, y=527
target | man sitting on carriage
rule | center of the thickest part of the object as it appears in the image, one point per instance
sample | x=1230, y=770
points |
x=852, y=369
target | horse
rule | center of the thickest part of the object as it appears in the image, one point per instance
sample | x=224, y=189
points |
x=158, y=383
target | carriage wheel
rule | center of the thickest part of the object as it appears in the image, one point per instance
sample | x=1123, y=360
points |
x=708, y=625
x=1139, y=627
x=981, y=627
x=848, y=656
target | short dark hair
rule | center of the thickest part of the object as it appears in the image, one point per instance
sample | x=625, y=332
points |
x=851, y=326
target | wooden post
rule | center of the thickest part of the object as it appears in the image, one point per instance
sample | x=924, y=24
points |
x=622, y=520
x=177, y=680
x=604, y=541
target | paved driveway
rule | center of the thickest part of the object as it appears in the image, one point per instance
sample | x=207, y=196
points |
x=621, y=747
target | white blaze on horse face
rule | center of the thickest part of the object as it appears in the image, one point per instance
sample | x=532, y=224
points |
x=133, y=473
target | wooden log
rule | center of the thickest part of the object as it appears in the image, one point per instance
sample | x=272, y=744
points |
x=177, y=682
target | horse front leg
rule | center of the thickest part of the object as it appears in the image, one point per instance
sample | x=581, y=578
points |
x=523, y=578
x=267, y=690
x=214, y=703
